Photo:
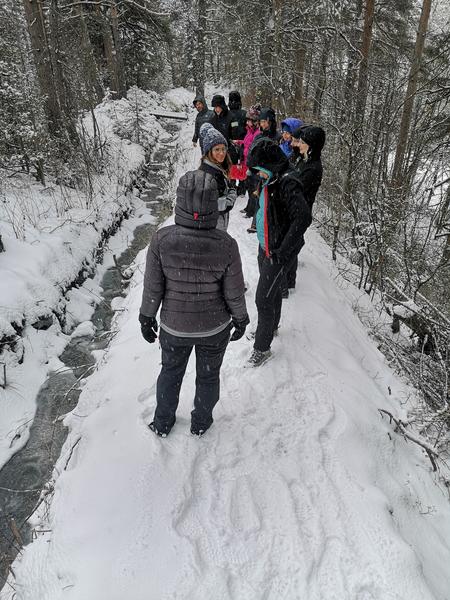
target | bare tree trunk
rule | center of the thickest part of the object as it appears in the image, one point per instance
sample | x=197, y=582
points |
x=36, y=27
x=321, y=83
x=299, y=101
x=57, y=57
x=277, y=59
x=89, y=65
x=120, y=69
x=264, y=92
x=112, y=49
x=399, y=167
x=363, y=67
x=199, y=59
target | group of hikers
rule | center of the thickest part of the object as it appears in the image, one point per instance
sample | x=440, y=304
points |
x=193, y=269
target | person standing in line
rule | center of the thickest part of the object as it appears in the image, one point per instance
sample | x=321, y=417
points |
x=194, y=272
x=216, y=161
x=237, y=133
x=252, y=128
x=307, y=145
x=204, y=116
x=268, y=124
x=287, y=127
x=221, y=117
x=237, y=116
x=267, y=129
x=283, y=217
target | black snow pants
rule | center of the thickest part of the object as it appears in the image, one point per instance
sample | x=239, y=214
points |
x=252, y=202
x=268, y=300
x=209, y=353
x=291, y=272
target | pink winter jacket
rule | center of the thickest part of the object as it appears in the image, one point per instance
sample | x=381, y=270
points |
x=248, y=140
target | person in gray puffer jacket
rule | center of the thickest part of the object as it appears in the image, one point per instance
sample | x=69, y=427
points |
x=194, y=271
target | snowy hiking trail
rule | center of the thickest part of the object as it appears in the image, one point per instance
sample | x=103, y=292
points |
x=297, y=492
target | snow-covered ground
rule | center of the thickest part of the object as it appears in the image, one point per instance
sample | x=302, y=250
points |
x=51, y=233
x=299, y=491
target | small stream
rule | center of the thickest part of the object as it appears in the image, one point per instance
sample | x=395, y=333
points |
x=27, y=473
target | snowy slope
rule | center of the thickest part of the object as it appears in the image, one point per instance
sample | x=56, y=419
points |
x=58, y=230
x=298, y=491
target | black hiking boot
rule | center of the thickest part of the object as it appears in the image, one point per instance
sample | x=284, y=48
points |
x=198, y=430
x=258, y=358
x=159, y=432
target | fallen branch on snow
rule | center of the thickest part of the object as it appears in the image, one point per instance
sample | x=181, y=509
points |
x=400, y=426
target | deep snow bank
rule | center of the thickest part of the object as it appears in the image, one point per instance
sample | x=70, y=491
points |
x=53, y=237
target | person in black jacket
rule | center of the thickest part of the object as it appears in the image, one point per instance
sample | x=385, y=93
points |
x=221, y=117
x=307, y=145
x=238, y=116
x=221, y=120
x=282, y=218
x=268, y=129
x=268, y=124
x=204, y=116
x=194, y=270
x=238, y=130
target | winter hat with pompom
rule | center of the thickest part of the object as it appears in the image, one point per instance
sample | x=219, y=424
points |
x=254, y=112
x=210, y=137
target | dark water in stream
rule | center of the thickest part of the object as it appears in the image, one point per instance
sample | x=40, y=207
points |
x=28, y=472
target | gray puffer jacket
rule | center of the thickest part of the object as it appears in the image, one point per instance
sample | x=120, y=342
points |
x=192, y=268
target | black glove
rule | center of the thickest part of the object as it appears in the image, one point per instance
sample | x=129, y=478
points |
x=277, y=257
x=149, y=328
x=239, y=328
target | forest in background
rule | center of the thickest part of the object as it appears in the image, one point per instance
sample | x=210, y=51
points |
x=373, y=73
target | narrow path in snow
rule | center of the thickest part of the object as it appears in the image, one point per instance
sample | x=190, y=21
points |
x=297, y=492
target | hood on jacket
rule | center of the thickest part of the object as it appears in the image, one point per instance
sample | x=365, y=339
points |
x=266, y=153
x=291, y=124
x=314, y=136
x=267, y=114
x=234, y=100
x=218, y=100
x=200, y=98
x=196, y=205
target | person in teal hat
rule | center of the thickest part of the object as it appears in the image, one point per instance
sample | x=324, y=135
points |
x=282, y=218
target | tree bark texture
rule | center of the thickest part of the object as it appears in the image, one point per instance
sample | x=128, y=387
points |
x=399, y=166
x=199, y=61
x=35, y=19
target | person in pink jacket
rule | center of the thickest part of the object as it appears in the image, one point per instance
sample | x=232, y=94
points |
x=252, y=126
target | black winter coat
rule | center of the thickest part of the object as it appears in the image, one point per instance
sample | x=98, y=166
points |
x=202, y=117
x=238, y=121
x=222, y=122
x=310, y=173
x=193, y=269
x=288, y=215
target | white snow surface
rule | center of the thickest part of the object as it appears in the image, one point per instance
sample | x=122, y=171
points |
x=299, y=491
x=49, y=233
